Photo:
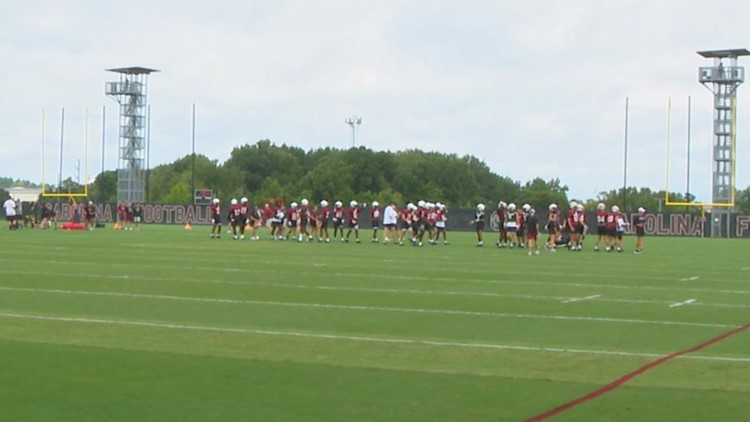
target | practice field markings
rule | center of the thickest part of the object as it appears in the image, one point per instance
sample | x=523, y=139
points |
x=408, y=278
x=690, y=278
x=374, y=290
x=678, y=304
x=372, y=308
x=276, y=265
x=384, y=340
x=581, y=299
x=627, y=377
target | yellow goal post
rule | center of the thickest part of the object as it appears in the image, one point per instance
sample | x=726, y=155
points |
x=70, y=195
x=702, y=205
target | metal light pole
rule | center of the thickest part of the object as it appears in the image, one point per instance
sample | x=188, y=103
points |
x=354, y=122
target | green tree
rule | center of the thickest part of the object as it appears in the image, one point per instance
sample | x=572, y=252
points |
x=179, y=194
x=541, y=193
x=104, y=188
x=742, y=200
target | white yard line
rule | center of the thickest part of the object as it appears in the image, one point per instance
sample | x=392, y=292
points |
x=382, y=290
x=677, y=305
x=689, y=278
x=580, y=299
x=390, y=277
x=371, y=308
x=384, y=340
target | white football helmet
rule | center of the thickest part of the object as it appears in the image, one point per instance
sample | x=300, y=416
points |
x=601, y=207
x=573, y=204
x=293, y=205
x=411, y=206
x=243, y=200
x=615, y=208
x=579, y=207
x=304, y=202
x=526, y=207
x=338, y=204
x=641, y=210
x=511, y=207
x=216, y=200
x=420, y=203
x=501, y=204
x=324, y=203
x=375, y=204
x=552, y=206
x=352, y=203
x=480, y=207
x=234, y=201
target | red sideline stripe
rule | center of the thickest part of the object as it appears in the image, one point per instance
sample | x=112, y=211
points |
x=622, y=380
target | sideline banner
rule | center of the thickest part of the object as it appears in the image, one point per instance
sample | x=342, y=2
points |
x=657, y=224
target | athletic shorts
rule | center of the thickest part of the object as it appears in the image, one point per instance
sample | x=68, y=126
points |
x=639, y=231
x=612, y=231
x=601, y=230
x=375, y=224
x=353, y=225
x=551, y=227
x=137, y=219
x=389, y=226
x=216, y=219
x=531, y=235
x=292, y=224
x=511, y=229
x=405, y=226
x=578, y=229
x=427, y=227
x=480, y=226
x=324, y=224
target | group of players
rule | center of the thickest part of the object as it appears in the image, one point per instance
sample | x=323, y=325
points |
x=423, y=222
x=129, y=216
x=521, y=227
x=427, y=222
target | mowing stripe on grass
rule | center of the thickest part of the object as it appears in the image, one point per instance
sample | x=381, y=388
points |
x=627, y=377
x=386, y=340
x=381, y=276
x=363, y=289
x=370, y=308
x=286, y=264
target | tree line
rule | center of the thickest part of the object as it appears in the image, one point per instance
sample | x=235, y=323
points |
x=264, y=170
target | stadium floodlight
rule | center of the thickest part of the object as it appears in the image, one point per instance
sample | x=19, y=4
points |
x=354, y=122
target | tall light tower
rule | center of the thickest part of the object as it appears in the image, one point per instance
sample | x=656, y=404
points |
x=723, y=79
x=130, y=92
x=354, y=122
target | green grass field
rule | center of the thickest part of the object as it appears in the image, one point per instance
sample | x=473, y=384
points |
x=167, y=324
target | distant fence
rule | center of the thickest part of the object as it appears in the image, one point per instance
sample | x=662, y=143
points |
x=656, y=224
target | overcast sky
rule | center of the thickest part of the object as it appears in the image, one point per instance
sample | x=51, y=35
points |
x=535, y=89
